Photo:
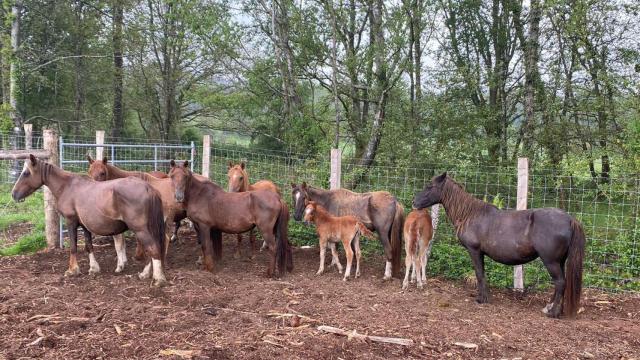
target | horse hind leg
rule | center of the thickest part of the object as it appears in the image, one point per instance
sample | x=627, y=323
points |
x=121, y=252
x=358, y=255
x=349, y=252
x=174, y=237
x=478, y=263
x=408, y=260
x=556, y=270
x=153, y=251
x=237, y=254
x=94, y=267
x=252, y=241
x=74, y=269
x=335, y=259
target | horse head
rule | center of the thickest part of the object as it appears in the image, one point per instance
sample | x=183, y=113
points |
x=180, y=175
x=30, y=179
x=310, y=212
x=237, y=177
x=300, y=199
x=432, y=193
x=98, y=169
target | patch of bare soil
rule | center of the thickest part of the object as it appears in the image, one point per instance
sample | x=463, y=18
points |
x=238, y=313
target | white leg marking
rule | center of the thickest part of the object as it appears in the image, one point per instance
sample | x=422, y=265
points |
x=387, y=271
x=146, y=272
x=158, y=274
x=547, y=308
x=94, y=267
x=322, y=252
x=121, y=252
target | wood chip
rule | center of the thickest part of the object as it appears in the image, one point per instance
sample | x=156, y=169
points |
x=465, y=345
x=118, y=330
x=185, y=354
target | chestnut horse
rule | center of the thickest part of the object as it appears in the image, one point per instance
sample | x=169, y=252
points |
x=238, y=179
x=106, y=208
x=514, y=237
x=418, y=232
x=214, y=210
x=378, y=211
x=332, y=229
x=101, y=170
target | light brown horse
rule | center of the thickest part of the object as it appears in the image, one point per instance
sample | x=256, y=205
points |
x=238, y=181
x=418, y=233
x=106, y=208
x=333, y=229
x=101, y=170
x=215, y=210
x=378, y=210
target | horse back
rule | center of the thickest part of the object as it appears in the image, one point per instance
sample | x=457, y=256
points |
x=265, y=185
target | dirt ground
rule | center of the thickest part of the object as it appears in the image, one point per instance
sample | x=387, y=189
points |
x=237, y=313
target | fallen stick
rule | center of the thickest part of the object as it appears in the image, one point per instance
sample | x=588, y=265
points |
x=354, y=334
x=281, y=315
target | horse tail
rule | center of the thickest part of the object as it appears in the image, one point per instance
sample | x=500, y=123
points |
x=283, y=249
x=573, y=272
x=364, y=231
x=396, y=240
x=155, y=222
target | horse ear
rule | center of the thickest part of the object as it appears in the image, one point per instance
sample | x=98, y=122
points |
x=230, y=164
x=105, y=160
x=186, y=163
x=172, y=163
x=242, y=165
x=293, y=186
x=90, y=159
x=33, y=160
x=304, y=185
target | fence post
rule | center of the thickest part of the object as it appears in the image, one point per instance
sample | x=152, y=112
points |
x=193, y=155
x=155, y=157
x=51, y=218
x=206, y=155
x=28, y=136
x=100, y=140
x=521, y=204
x=336, y=169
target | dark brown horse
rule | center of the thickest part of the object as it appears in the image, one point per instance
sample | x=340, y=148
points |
x=238, y=179
x=106, y=208
x=214, y=210
x=378, y=210
x=514, y=237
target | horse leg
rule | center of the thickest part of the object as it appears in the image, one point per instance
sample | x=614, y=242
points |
x=408, y=261
x=556, y=270
x=252, y=240
x=174, y=237
x=121, y=252
x=478, y=264
x=207, y=247
x=74, y=269
x=358, y=254
x=388, y=253
x=417, y=268
x=94, y=267
x=270, y=238
x=335, y=259
x=349, y=252
x=236, y=255
x=153, y=250
x=323, y=249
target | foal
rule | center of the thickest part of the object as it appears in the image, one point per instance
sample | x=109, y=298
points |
x=333, y=229
x=418, y=233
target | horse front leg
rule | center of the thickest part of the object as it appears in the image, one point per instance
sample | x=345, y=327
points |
x=207, y=247
x=139, y=252
x=74, y=269
x=252, y=240
x=335, y=259
x=388, y=254
x=237, y=254
x=408, y=262
x=176, y=227
x=323, y=250
x=556, y=270
x=121, y=252
x=478, y=264
x=94, y=267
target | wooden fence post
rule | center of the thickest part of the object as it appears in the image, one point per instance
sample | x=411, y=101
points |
x=51, y=219
x=336, y=169
x=100, y=140
x=206, y=155
x=521, y=204
x=28, y=136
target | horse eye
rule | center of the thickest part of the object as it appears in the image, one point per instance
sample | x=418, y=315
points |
x=241, y=177
x=26, y=174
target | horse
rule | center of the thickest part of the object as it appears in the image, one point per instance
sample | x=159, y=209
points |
x=238, y=181
x=514, y=237
x=378, y=211
x=102, y=208
x=332, y=229
x=214, y=210
x=418, y=233
x=101, y=170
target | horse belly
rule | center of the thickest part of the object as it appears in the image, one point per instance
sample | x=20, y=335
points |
x=510, y=245
x=104, y=226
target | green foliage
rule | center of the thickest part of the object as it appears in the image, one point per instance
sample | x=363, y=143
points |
x=15, y=213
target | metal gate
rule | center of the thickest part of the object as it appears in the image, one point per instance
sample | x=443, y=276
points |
x=129, y=156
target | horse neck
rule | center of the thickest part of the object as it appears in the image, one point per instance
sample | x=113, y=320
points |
x=321, y=215
x=115, y=172
x=459, y=204
x=56, y=179
x=198, y=187
x=318, y=195
x=246, y=185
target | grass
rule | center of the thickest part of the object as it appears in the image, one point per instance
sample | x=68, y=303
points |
x=31, y=211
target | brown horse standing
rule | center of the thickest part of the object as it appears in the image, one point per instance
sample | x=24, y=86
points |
x=418, y=233
x=101, y=170
x=215, y=210
x=377, y=210
x=238, y=179
x=106, y=208
x=332, y=229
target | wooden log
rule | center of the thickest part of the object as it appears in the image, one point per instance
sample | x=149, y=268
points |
x=355, y=335
x=336, y=169
x=51, y=218
x=23, y=154
x=100, y=140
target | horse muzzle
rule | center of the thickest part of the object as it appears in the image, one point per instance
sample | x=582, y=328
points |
x=17, y=197
x=179, y=197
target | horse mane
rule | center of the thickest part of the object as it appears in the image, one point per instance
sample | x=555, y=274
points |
x=460, y=205
x=245, y=178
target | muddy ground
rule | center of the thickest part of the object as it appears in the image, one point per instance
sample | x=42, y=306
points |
x=237, y=313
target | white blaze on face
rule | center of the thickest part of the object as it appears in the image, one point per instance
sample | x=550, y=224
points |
x=297, y=196
x=308, y=211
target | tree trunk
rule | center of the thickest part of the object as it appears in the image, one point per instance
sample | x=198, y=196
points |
x=117, y=115
x=79, y=95
x=15, y=72
x=531, y=75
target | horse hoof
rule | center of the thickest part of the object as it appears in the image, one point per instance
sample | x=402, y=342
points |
x=94, y=271
x=72, y=272
x=236, y=255
x=405, y=285
x=482, y=300
x=143, y=276
x=386, y=278
x=158, y=283
x=118, y=269
x=174, y=238
x=420, y=286
x=319, y=272
x=345, y=279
